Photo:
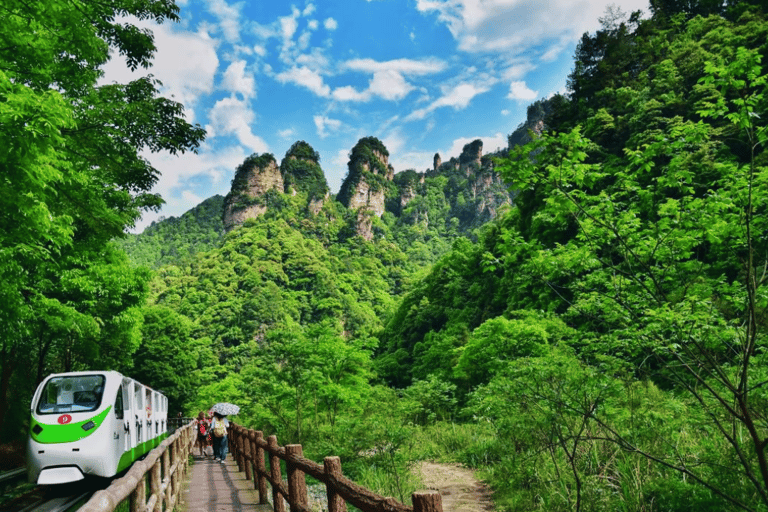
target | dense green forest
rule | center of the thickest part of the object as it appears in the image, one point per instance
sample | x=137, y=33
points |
x=600, y=345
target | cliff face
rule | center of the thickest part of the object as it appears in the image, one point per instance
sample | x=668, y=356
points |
x=477, y=191
x=368, y=181
x=253, y=178
x=471, y=192
x=473, y=189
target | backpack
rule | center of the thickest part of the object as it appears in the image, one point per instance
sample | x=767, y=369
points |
x=219, y=429
x=203, y=428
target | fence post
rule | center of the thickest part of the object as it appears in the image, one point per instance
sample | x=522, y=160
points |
x=261, y=468
x=174, y=449
x=427, y=501
x=332, y=468
x=232, y=441
x=297, y=483
x=167, y=476
x=240, y=448
x=277, y=478
x=138, y=496
x=247, y=454
x=155, y=484
x=189, y=438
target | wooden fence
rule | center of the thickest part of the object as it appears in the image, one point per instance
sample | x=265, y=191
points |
x=250, y=449
x=167, y=467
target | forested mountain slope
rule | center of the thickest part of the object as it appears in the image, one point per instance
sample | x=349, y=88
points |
x=177, y=239
x=611, y=327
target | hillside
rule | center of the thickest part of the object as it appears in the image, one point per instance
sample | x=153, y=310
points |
x=607, y=326
x=175, y=239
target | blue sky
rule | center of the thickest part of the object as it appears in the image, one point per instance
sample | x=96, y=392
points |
x=424, y=76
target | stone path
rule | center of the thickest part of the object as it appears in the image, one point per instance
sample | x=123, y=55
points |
x=217, y=487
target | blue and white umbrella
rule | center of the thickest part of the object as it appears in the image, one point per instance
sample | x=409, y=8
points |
x=225, y=408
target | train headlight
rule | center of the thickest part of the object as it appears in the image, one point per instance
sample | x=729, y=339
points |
x=88, y=426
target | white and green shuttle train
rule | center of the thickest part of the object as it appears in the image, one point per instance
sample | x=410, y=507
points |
x=91, y=423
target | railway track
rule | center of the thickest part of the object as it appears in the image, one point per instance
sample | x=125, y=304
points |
x=59, y=504
x=19, y=496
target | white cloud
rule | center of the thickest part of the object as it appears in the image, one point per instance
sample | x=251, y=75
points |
x=304, y=41
x=287, y=133
x=517, y=70
x=237, y=81
x=315, y=60
x=402, y=157
x=349, y=93
x=229, y=18
x=404, y=66
x=313, y=24
x=189, y=197
x=387, y=81
x=458, y=97
x=490, y=144
x=288, y=26
x=309, y=9
x=305, y=77
x=519, y=25
x=184, y=178
x=330, y=24
x=232, y=116
x=338, y=169
x=389, y=85
x=519, y=91
x=323, y=124
x=185, y=62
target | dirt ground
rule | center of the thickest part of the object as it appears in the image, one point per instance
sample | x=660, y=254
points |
x=460, y=490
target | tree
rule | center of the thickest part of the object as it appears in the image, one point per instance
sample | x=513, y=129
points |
x=167, y=357
x=73, y=177
x=667, y=276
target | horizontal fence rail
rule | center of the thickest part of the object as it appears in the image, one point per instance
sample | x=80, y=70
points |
x=166, y=466
x=251, y=450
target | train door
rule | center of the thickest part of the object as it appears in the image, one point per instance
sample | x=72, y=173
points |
x=163, y=413
x=156, y=410
x=138, y=414
x=119, y=436
x=149, y=395
x=129, y=425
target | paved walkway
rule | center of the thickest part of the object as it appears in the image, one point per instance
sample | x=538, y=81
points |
x=217, y=487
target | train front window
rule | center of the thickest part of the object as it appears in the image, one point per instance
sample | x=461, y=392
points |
x=80, y=393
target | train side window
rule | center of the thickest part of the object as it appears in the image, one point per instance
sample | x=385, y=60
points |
x=119, y=404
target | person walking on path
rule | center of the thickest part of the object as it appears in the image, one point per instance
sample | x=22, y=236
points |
x=203, y=429
x=219, y=427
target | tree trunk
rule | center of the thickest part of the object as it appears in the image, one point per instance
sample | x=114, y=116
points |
x=8, y=361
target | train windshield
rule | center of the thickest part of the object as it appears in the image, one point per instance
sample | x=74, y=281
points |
x=73, y=393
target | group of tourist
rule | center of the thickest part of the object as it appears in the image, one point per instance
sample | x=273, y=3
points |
x=212, y=431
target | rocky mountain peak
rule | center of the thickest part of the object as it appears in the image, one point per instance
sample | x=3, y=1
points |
x=471, y=157
x=368, y=178
x=302, y=174
x=257, y=175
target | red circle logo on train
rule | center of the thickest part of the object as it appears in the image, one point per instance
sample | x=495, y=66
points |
x=64, y=419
